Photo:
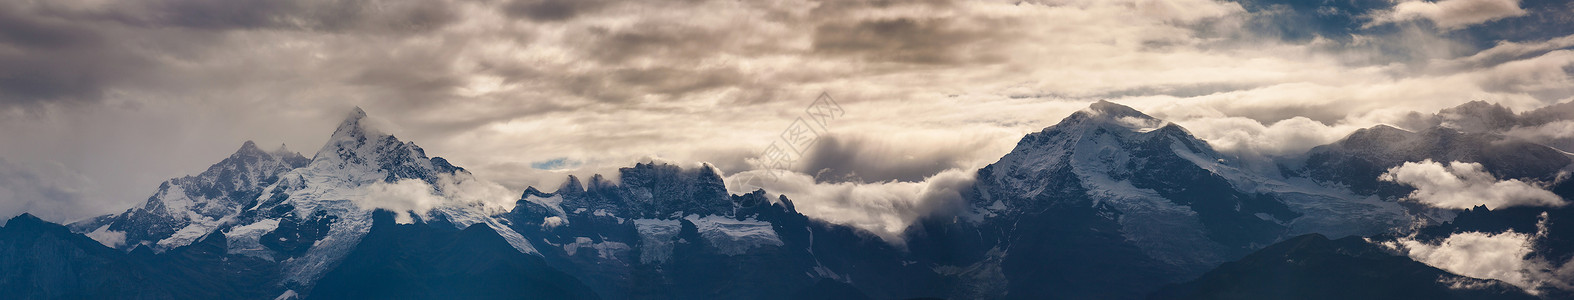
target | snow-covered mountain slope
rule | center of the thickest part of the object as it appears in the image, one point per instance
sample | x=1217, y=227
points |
x=305, y=215
x=314, y=215
x=1169, y=188
x=1141, y=197
x=190, y=207
x=662, y=231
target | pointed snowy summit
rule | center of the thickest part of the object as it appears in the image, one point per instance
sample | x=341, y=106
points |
x=353, y=125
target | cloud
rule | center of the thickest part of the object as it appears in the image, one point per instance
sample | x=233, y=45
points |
x=1556, y=134
x=1450, y=14
x=911, y=40
x=49, y=191
x=403, y=197
x=130, y=93
x=1500, y=256
x=1465, y=185
x=1249, y=138
x=110, y=238
x=885, y=209
x=1507, y=256
x=413, y=197
x=551, y=10
x=906, y=157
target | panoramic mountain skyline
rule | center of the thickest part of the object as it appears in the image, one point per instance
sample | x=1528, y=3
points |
x=119, y=96
x=843, y=149
x=1108, y=203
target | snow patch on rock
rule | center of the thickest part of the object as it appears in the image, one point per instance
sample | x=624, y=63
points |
x=246, y=240
x=656, y=238
x=734, y=237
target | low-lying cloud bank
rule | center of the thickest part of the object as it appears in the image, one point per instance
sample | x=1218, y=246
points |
x=883, y=208
x=1505, y=256
x=1461, y=185
x=1498, y=256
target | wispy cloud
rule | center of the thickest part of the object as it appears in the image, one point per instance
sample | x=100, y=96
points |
x=1451, y=14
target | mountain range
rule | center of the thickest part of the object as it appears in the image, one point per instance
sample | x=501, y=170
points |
x=1109, y=203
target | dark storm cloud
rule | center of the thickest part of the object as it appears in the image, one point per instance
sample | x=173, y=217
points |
x=909, y=40
x=221, y=15
x=1327, y=113
x=659, y=40
x=369, y=16
x=552, y=10
x=45, y=59
x=55, y=53
x=842, y=8
x=414, y=77
x=857, y=159
x=625, y=84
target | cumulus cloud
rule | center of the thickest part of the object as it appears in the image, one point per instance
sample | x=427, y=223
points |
x=1460, y=185
x=1500, y=256
x=885, y=209
x=1254, y=141
x=1507, y=256
x=403, y=197
x=1451, y=14
x=409, y=198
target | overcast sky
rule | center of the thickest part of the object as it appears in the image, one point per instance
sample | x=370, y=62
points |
x=102, y=100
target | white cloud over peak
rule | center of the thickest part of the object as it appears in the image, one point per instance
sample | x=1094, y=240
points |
x=1460, y=185
x=413, y=196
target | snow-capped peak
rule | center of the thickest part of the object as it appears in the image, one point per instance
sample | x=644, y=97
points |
x=184, y=209
x=1096, y=140
x=282, y=150
x=352, y=134
x=361, y=169
x=249, y=147
x=1120, y=119
x=1138, y=171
